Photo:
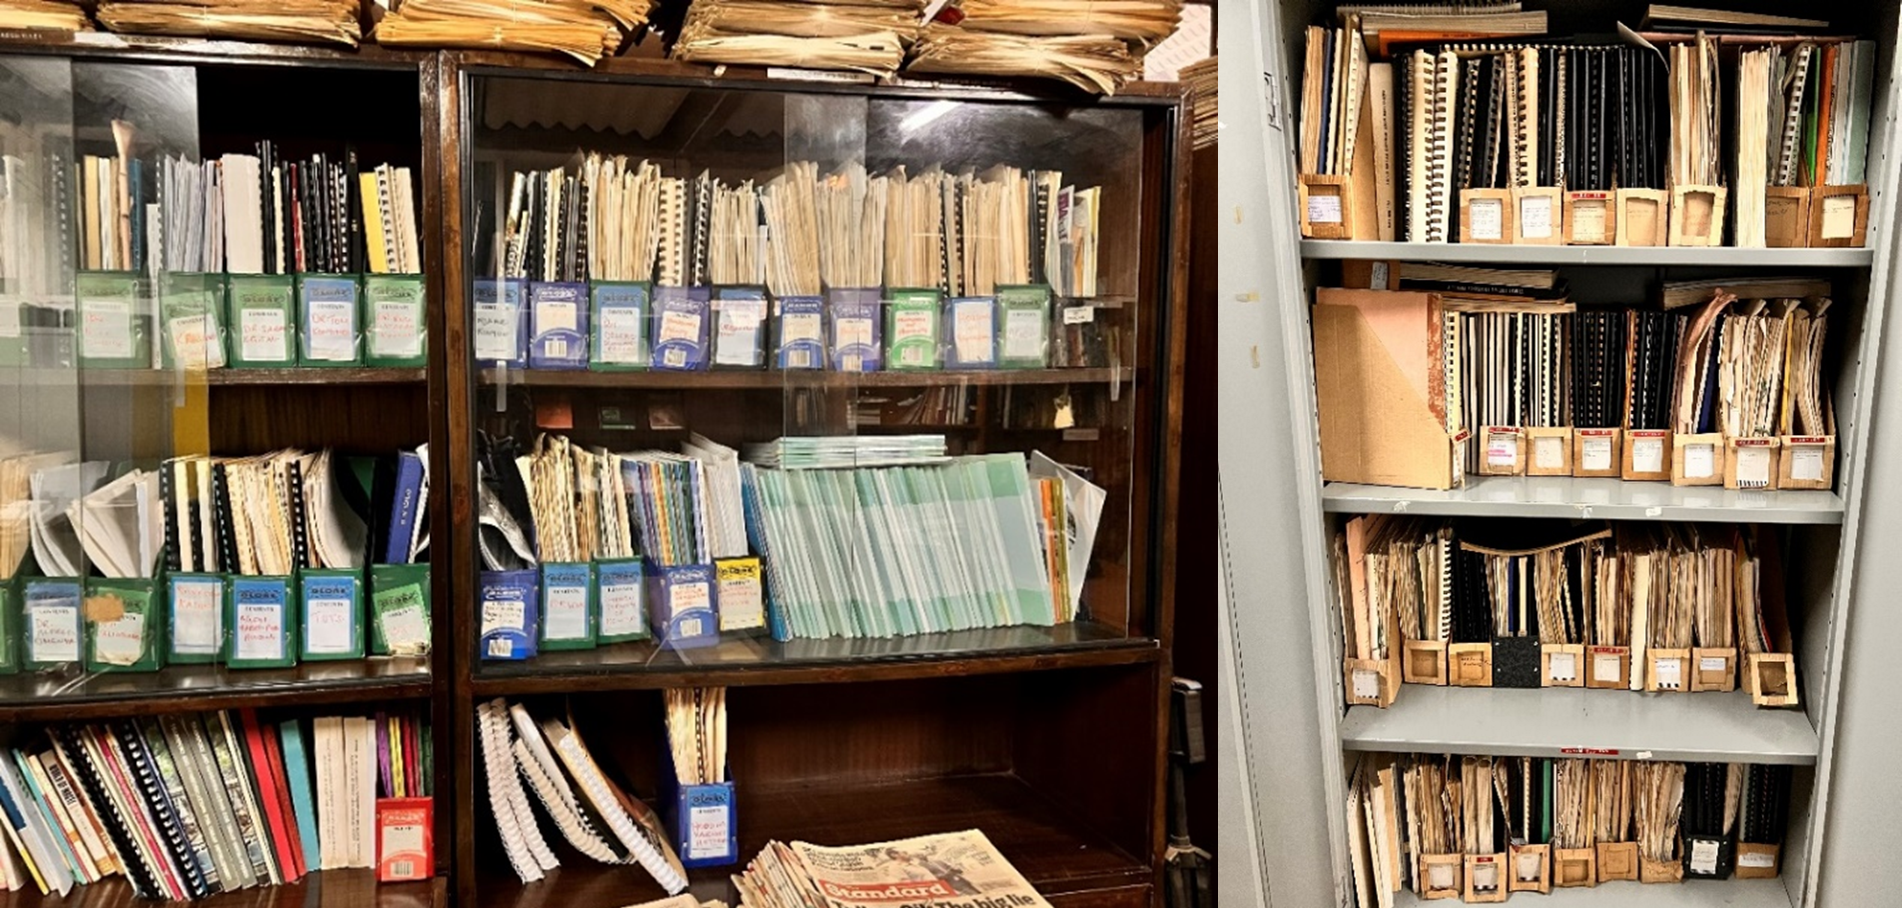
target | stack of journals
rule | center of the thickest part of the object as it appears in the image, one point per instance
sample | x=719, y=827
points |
x=47, y=15
x=866, y=35
x=323, y=21
x=808, y=452
x=1093, y=45
x=592, y=814
x=585, y=32
x=185, y=806
x=1479, y=827
x=1204, y=105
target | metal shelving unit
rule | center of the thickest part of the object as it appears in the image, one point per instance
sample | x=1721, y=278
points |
x=1277, y=525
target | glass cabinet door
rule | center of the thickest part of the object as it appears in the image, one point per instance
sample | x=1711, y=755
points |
x=772, y=376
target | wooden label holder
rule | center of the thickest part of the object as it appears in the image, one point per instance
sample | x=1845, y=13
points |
x=1486, y=216
x=1697, y=215
x=1486, y=878
x=1562, y=665
x=1839, y=216
x=1423, y=662
x=1538, y=216
x=1786, y=217
x=1771, y=679
x=1442, y=876
x=1650, y=871
x=1757, y=862
x=1530, y=868
x=1595, y=452
x=1667, y=670
x=1469, y=664
x=1503, y=451
x=1574, y=867
x=1608, y=667
x=1643, y=216
x=1750, y=463
x=1591, y=219
x=1372, y=682
x=1713, y=669
x=1806, y=461
x=1647, y=455
x=1617, y=861
x=1548, y=451
x=1344, y=206
x=1697, y=460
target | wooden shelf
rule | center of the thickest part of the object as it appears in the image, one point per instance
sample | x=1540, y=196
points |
x=1588, y=498
x=202, y=688
x=1066, y=863
x=324, y=889
x=781, y=380
x=108, y=44
x=1534, y=254
x=158, y=378
x=642, y=665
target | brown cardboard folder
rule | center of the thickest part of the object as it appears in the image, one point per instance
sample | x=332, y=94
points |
x=1377, y=371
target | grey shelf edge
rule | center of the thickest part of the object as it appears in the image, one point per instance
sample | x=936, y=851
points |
x=1732, y=893
x=1602, y=498
x=1589, y=255
x=1560, y=722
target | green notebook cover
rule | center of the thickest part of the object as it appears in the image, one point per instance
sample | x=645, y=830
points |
x=262, y=311
x=125, y=627
x=912, y=322
x=332, y=614
x=192, y=311
x=399, y=604
x=395, y=320
x=10, y=624
x=114, y=328
x=1023, y=326
x=261, y=621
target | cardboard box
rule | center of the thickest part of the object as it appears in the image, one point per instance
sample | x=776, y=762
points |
x=1650, y=871
x=1697, y=460
x=1771, y=679
x=1423, y=662
x=1608, y=667
x=1486, y=216
x=1591, y=219
x=1595, y=452
x=1441, y=876
x=1371, y=378
x=1548, y=451
x=1758, y=862
x=1644, y=217
x=1371, y=682
x=1667, y=669
x=1839, y=216
x=1502, y=451
x=1806, y=461
x=1647, y=455
x=1563, y=665
x=1697, y=215
x=1786, y=216
x=1529, y=868
x=1538, y=215
x=1750, y=463
x=1617, y=861
x=1486, y=878
x=1574, y=867
x=1469, y=664
x=1713, y=669
x=1326, y=206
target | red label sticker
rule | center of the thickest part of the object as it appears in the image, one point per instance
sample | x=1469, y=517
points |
x=1590, y=751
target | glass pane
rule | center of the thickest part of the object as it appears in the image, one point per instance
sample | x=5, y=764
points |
x=778, y=377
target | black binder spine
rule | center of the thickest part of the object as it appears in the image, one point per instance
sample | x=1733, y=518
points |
x=294, y=500
x=169, y=493
x=170, y=831
x=119, y=828
x=221, y=516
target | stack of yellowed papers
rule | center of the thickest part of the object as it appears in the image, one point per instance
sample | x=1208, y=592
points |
x=303, y=21
x=866, y=35
x=1096, y=45
x=586, y=30
x=48, y=15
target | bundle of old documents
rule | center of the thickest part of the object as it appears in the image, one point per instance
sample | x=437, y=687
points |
x=1204, y=119
x=957, y=868
x=586, y=30
x=49, y=15
x=866, y=35
x=303, y=21
x=1096, y=45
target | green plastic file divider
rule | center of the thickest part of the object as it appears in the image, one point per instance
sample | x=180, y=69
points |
x=50, y=623
x=620, y=599
x=125, y=624
x=396, y=324
x=332, y=614
x=114, y=323
x=568, y=620
x=10, y=589
x=399, y=603
x=619, y=315
x=329, y=320
x=261, y=620
x=192, y=315
x=912, y=321
x=1023, y=326
x=195, y=605
x=262, y=309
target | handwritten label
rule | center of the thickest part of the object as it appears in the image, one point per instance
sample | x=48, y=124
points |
x=119, y=642
x=1757, y=860
x=621, y=335
x=1839, y=217
x=1548, y=451
x=1606, y=667
x=1588, y=222
x=686, y=597
x=565, y=615
x=1502, y=449
x=404, y=630
x=328, y=622
x=1647, y=455
x=261, y=334
x=260, y=632
x=1535, y=217
x=1712, y=664
x=1700, y=461
x=1668, y=672
x=1486, y=218
x=54, y=633
x=1023, y=334
x=555, y=315
x=1806, y=463
x=1324, y=208
x=708, y=831
x=621, y=609
x=679, y=326
x=195, y=342
x=333, y=328
x=1597, y=454
x=852, y=332
x=106, y=329
x=195, y=627
x=1753, y=467
x=911, y=324
x=398, y=329
x=741, y=605
x=1703, y=856
x=1079, y=315
x=799, y=326
x=503, y=615
x=496, y=331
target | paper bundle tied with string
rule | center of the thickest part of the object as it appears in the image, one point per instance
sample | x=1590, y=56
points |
x=1096, y=45
x=865, y=35
x=303, y=21
x=586, y=30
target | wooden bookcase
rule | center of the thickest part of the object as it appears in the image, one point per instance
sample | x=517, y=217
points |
x=1050, y=740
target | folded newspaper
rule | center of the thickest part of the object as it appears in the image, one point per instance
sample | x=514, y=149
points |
x=951, y=870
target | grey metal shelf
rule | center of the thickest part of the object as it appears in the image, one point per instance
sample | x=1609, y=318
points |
x=1559, y=722
x=1601, y=498
x=1688, y=894
x=1589, y=255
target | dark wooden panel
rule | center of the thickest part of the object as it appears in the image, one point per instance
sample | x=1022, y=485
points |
x=1119, y=897
x=777, y=380
x=356, y=419
x=193, y=688
x=1087, y=741
x=325, y=889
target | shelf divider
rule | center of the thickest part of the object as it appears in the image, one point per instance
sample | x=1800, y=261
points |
x=1588, y=498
